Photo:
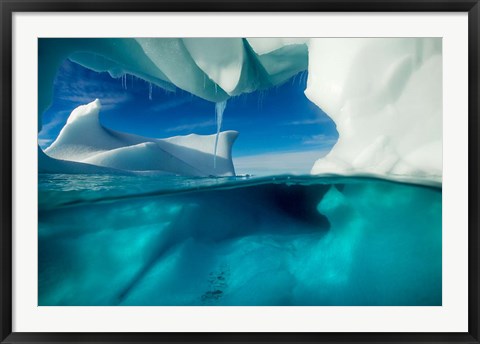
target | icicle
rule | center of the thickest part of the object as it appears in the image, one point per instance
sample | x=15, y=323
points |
x=150, y=90
x=124, y=81
x=219, y=109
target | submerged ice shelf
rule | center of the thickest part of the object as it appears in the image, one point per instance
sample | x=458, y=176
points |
x=85, y=146
x=291, y=241
x=384, y=95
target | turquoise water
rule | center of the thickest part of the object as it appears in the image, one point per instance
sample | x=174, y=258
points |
x=284, y=240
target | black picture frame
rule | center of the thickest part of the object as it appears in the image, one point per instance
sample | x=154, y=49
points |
x=8, y=7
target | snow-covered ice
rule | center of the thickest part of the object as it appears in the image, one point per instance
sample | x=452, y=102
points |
x=85, y=141
x=385, y=97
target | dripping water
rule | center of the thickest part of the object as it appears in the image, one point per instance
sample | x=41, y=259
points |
x=219, y=109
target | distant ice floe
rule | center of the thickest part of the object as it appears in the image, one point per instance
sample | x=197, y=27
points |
x=96, y=149
x=384, y=94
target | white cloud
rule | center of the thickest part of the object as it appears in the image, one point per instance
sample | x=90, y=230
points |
x=321, y=140
x=318, y=120
x=191, y=126
x=109, y=101
x=173, y=103
x=77, y=88
x=57, y=119
x=278, y=163
x=44, y=143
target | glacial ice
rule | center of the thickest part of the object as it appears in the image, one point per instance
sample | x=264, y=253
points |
x=384, y=94
x=221, y=59
x=213, y=69
x=385, y=97
x=105, y=150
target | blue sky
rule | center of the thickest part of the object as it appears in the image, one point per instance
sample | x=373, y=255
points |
x=275, y=125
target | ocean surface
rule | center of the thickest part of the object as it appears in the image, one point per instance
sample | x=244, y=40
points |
x=240, y=241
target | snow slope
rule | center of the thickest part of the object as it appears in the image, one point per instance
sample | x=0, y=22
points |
x=85, y=141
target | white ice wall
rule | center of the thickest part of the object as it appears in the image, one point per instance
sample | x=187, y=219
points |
x=385, y=96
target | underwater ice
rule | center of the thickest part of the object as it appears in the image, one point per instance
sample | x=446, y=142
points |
x=310, y=241
x=384, y=95
x=96, y=149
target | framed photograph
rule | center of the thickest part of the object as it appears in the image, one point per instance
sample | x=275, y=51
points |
x=239, y=172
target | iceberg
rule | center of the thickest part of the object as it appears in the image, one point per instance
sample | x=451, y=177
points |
x=106, y=151
x=156, y=239
x=384, y=94
x=385, y=97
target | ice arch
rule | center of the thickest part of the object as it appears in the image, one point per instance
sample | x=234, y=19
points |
x=211, y=68
x=383, y=94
